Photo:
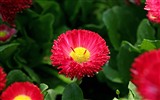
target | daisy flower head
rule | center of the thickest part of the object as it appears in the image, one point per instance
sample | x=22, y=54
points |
x=79, y=52
x=2, y=79
x=9, y=9
x=22, y=91
x=6, y=32
x=153, y=8
x=146, y=74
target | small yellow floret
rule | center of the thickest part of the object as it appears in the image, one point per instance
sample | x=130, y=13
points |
x=80, y=54
x=2, y=33
x=22, y=97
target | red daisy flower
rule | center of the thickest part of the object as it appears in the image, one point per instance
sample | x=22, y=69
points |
x=146, y=74
x=153, y=8
x=6, y=32
x=79, y=53
x=2, y=79
x=9, y=9
x=22, y=91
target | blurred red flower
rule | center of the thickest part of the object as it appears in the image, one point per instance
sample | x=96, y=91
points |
x=153, y=8
x=2, y=79
x=6, y=32
x=9, y=9
x=146, y=74
x=79, y=53
x=22, y=91
x=137, y=2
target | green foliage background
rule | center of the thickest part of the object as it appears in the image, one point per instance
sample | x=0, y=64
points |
x=124, y=26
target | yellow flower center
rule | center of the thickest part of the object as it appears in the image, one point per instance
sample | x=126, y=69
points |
x=22, y=97
x=2, y=33
x=80, y=54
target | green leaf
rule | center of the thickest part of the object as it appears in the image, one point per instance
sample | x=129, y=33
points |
x=124, y=61
x=119, y=24
x=120, y=86
x=30, y=13
x=110, y=21
x=42, y=28
x=56, y=74
x=47, y=53
x=156, y=43
x=72, y=92
x=52, y=7
x=72, y=8
x=50, y=95
x=113, y=2
x=59, y=89
x=60, y=30
x=93, y=27
x=47, y=6
x=122, y=99
x=16, y=76
x=43, y=87
x=19, y=59
x=145, y=31
x=86, y=7
x=7, y=50
x=147, y=45
x=132, y=47
x=133, y=92
x=31, y=58
x=26, y=14
x=32, y=74
x=111, y=74
x=131, y=97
